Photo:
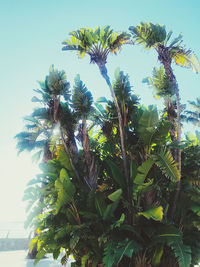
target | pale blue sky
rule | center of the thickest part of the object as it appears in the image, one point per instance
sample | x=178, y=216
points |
x=31, y=33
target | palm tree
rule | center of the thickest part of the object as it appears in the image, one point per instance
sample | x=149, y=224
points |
x=37, y=134
x=155, y=36
x=82, y=103
x=162, y=87
x=98, y=44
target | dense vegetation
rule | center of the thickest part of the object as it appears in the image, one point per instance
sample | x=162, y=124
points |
x=118, y=186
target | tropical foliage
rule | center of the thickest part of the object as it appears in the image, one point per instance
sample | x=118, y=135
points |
x=105, y=193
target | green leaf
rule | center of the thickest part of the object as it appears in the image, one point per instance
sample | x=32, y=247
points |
x=195, y=209
x=143, y=171
x=37, y=156
x=127, y=250
x=84, y=259
x=165, y=162
x=41, y=253
x=74, y=241
x=182, y=253
x=100, y=108
x=102, y=100
x=153, y=213
x=157, y=255
x=147, y=125
x=114, y=251
x=33, y=243
x=167, y=233
x=36, y=99
x=64, y=175
x=115, y=195
x=64, y=160
x=100, y=203
x=56, y=253
x=65, y=189
x=133, y=170
x=110, y=209
x=117, y=174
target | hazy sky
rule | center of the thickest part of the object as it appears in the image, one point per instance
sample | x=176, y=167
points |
x=31, y=32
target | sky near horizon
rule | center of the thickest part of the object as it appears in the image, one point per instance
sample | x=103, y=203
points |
x=30, y=41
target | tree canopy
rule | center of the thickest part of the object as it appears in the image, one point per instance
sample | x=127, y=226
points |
x=119, y=184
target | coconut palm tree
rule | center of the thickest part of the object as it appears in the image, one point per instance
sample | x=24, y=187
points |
x=98, y=44
x=155, y=36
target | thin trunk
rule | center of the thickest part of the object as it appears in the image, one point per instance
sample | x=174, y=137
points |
x=86, y=147
x=92, y=170
x=56, y=104
x=103, y=71
x=171, y=117
x=169, y=73
x=68, y=154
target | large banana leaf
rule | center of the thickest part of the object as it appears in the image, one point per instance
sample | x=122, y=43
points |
x=153, y=213
x=100, y=203
x=117, y=174
x=188, y=60
x=147, y=125
x=110, y=209
x=114, y=251
x=142, y=171
x=165, y=162
x=65, y=190
x=115, y=195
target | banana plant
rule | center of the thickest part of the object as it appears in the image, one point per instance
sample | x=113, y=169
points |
x=155, y=36
x=98, y=44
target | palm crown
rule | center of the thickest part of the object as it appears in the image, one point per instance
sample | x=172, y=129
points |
x=155, y=35
x=97, y=43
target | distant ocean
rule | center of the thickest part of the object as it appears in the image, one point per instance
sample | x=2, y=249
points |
x=13, y=230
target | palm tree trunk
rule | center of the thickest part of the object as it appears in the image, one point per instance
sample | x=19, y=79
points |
x=171, y=118
x=92, y=170
x=86, y=147
x=103, y=71
x=169, y=73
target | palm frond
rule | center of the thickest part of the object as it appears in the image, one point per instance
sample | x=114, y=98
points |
x=97, y=43
x=148, y=34
x=187, y=59
x=82, y=98
x=160, y=83
x=121, y=86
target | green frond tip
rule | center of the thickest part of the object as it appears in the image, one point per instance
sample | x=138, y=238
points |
x=57, y=83
x=148, y=34
x=187, y=59
x=121, y=86
x=165, y=162
x=160, y=83
x=82, y=98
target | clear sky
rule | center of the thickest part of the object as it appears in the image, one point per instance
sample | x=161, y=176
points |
x=31, y=32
